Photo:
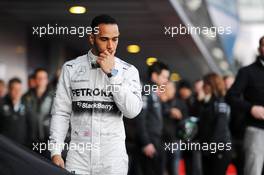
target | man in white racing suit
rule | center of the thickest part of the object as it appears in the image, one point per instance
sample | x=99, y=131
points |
x=93, y=93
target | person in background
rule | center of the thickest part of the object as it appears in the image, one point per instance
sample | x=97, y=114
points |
x=185, y=91
x=31, y=82
x=214, y=126
x=54, y=81
x=2, y=89
x=198, y=90
x=198, y=95
x=150, y=122
x=192, y=158
x=189, y=97
x=247, y=95
x=38, y=106
x=14, y=123
x=174, y=110
x=229, y=81
x=237, y=128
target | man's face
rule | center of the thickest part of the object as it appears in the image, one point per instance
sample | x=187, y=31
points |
x=229, y=82
x=15, y=91
x=185, y=93
x=162, y=78
x=31, y=83
x=107, y=39
x=207, y=89
x=41, y=79
x=198, y=86
x=170, y=90
x=261, y=48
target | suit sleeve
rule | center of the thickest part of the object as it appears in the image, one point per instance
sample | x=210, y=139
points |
x=235, y=94
x=127, y=93
x=61, y=112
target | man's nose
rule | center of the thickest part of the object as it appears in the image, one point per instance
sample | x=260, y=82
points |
x=109, y=44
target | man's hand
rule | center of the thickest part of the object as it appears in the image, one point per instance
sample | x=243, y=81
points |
x=176, y=113
x=149, y=150
x=200, y=96
x=57, y=160
x=106, y=61
x=257, y=112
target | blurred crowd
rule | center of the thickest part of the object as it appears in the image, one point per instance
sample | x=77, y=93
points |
x=226, y=111
x=183, y=112
x=213, y=109
x=25, y=118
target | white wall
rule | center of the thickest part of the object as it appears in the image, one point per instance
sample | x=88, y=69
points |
x=247, y=43
x=13, y=62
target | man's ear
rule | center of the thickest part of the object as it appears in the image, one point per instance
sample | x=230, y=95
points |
x=91, y=39
x=154, y=76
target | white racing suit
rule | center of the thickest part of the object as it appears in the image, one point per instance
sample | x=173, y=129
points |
x=94, y=105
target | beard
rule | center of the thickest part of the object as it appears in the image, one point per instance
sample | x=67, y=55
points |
x=96, y=49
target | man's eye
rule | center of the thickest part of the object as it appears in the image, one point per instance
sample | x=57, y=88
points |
x=115, y=39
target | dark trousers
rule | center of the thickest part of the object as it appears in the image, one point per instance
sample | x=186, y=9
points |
x=134, y=162
x=152, y=166
x=216, y=164
x=193, y=162
x=171, y=162
x=238, y=158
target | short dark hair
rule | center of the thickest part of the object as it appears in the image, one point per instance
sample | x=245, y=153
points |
x=260, y=40
x=216, y=83
x=39, y=70
x=157, y=67
x=102, y=19
x=184, y=84
x=14, y=80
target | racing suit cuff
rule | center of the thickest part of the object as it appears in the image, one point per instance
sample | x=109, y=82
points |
x=55, y=149
x=55, y=152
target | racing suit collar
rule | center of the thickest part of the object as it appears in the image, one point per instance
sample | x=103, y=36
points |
x=92, y=60
x=91, y=55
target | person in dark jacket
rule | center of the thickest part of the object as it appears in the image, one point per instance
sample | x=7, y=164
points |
x=237, y=129
x=186, y=95
x=14, y=123
x=192, y=158
x=31, y=82
x=150, y=122
x=247, y=95
x=38, y=102
x=174, y=110
x=214, y=126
